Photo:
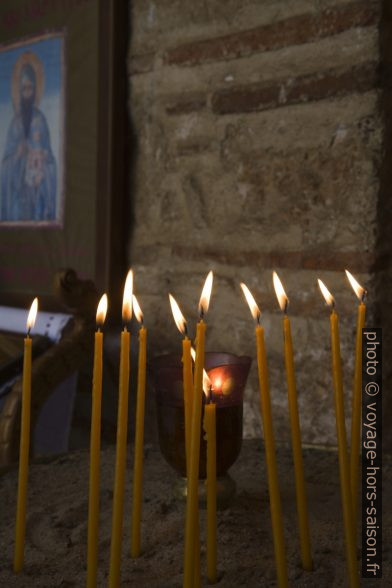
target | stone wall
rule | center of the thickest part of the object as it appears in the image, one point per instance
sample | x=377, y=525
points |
x=258, y=147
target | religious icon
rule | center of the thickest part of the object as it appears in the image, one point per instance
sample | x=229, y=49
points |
x=31, y=134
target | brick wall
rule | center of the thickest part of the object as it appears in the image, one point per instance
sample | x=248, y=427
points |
x=258, y=146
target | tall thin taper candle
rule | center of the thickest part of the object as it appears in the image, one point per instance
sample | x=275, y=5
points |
x=343, y=458
x=210, y=429
x=356, y=398
x=192, y=503
x=187, y=379
x=188, y=406
x=344, y=474
x=270, y=456
x=187, y=375
x=24, y=444
x=121, y=444
x=302, y=509
x=193, y=470
x=121, y=458
x=356, y=412
x=95, y=450
x=139, y=436
x=269, y=445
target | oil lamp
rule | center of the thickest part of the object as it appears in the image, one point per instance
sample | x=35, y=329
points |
x=228, y=374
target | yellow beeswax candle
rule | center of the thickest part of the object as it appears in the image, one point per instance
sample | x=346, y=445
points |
x=192, y=503
x=356, y=411
x=210, y=430
x=302, y=510
x=342, y=442
x=24, y=443
x=196, y=560
x=193, y=469
x=95, y=449
x=270, y=456
x=357, y=397
x=196, y=563
x=121, y=442
x=139, y=436
x=269, y=445
x=343, y=458
x=187, y=377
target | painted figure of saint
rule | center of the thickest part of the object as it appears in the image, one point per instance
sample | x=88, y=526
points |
x=28, y=170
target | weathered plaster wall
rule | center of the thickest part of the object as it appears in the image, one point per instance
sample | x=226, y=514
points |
x=259, y=141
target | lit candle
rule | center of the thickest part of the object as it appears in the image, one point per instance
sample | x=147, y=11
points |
x=121, y=443
x=197, y=576
x=95, y=449
x=24, y=443
x=187, y=376
x=342, y=442
x=139, y=434
x=188, y=353
x=357, y=396
x=209, y=426
x=302, y=509
x=193, y=473
x=269, y=445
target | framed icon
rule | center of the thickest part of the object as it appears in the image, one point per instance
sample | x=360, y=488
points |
x=62, y=102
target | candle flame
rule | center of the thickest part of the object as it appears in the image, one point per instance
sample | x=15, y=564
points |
x=217, y=383
x=280, y=292
x=137, y=309
x=254, y=309
x=102, y=310
x=32, y=315
x=127, y=298
x=358, y=289
x=329, y=299
x=204, y=302
x=177, y=314
x=206, y=384
x=206, y=379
